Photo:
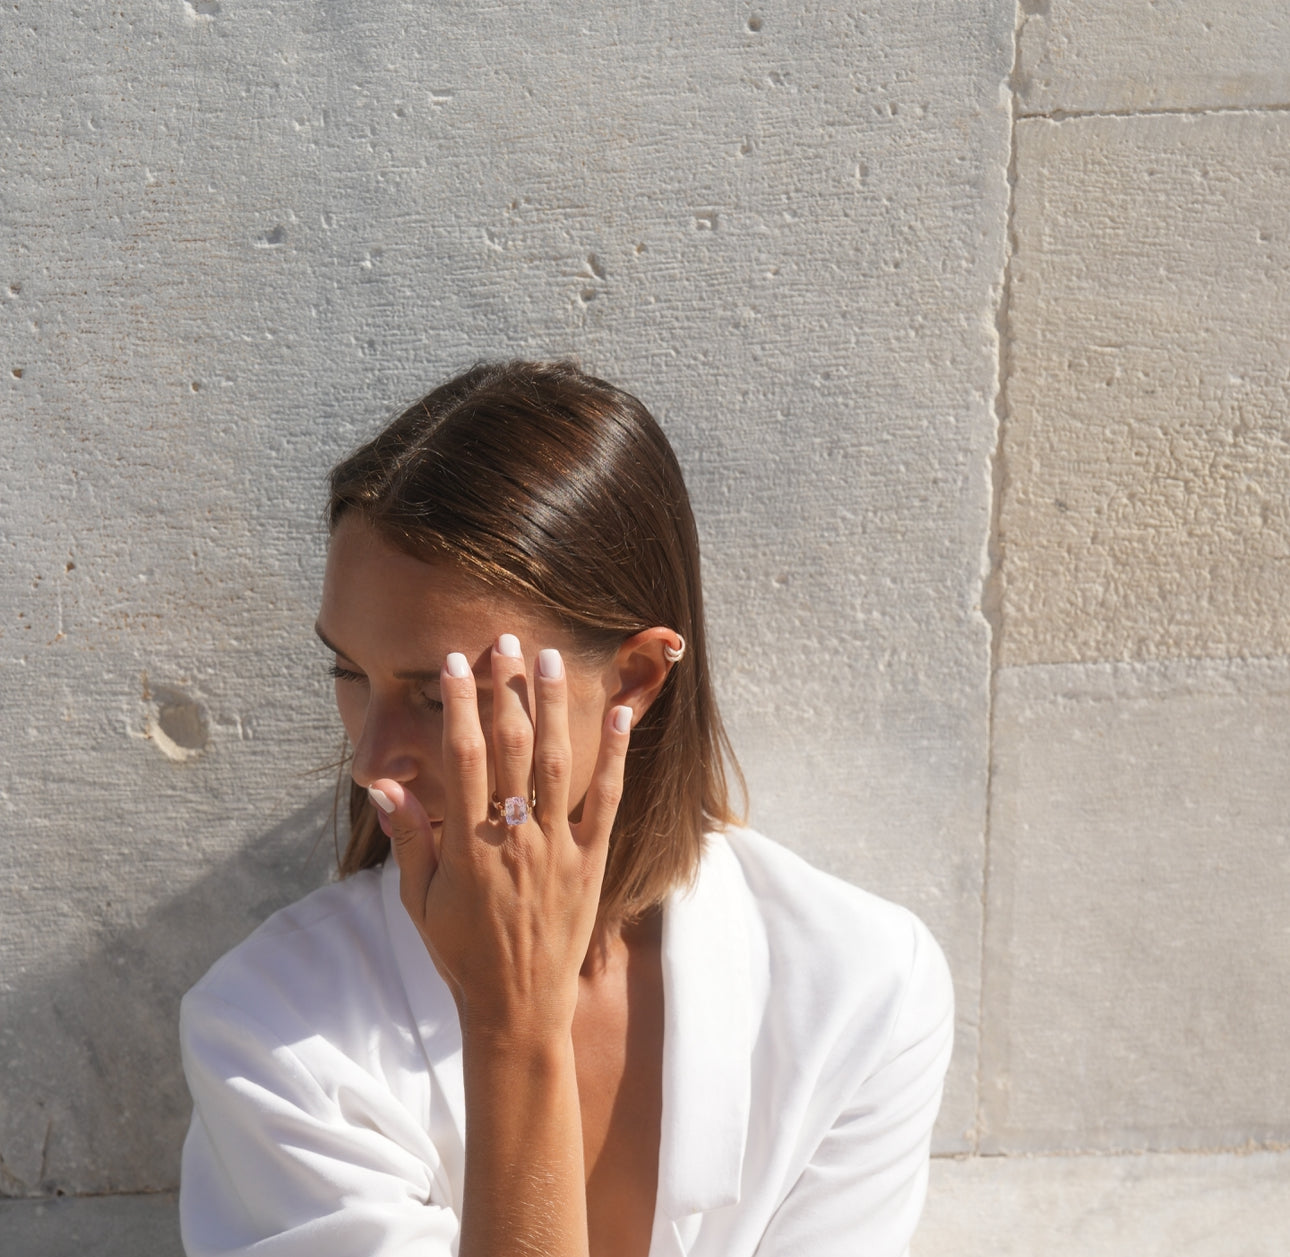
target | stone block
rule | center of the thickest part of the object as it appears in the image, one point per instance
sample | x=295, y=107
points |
x=245, y=232
x=1137, y=938
x=1135, y=1206
x=1134, y=55
x=1145, y=509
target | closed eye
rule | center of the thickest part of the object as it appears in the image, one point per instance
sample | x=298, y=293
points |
x=337, y=673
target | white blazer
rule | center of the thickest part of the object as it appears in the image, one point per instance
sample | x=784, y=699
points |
x=807, y=1030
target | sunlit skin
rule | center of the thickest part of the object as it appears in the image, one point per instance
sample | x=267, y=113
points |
x=562, y=1015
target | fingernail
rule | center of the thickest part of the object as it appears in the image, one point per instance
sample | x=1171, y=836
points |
x=458, y=665
x=509, y=645
x=622, y=717
x=550, y=664
x=381, y=799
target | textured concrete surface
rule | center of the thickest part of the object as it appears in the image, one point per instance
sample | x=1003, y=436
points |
x=1137, y=938
x=1126, y=55
x=1145, y=1206
x=91, y=1226
x=1146, y=462
x=243, y=232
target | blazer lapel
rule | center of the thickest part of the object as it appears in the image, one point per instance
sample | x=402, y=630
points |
x=708, y=1032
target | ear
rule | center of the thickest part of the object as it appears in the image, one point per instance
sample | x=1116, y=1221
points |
x=641, y=666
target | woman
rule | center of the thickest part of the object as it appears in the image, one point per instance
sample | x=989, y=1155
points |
x=559, y=1003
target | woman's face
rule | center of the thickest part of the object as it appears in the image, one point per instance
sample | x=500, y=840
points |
x=391, y=620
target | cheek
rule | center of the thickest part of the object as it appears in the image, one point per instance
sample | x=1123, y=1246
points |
x=584, y=745
x=351, y=703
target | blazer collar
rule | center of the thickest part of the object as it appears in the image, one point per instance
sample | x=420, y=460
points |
x=709, y=1025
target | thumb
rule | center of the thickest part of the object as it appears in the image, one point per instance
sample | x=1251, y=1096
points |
x=412, y=840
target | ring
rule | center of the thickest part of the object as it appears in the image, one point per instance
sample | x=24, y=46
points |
x=514, y=810
x=674, y=654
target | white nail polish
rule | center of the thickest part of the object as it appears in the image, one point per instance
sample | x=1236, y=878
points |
x=623, y=719
x=458, y=665
x=550, y=665
x=509, y=645
x=381, y=799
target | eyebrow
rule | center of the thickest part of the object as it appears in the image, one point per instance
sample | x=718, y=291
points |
x=414, y=674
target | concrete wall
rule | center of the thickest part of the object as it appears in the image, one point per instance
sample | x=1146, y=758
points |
x=1137, y=939
x=965, y=323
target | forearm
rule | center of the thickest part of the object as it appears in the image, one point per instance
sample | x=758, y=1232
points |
x=506, y=906
x=525, y=1187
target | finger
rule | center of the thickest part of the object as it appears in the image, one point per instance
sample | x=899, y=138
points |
x=412, y=840
x=551, y=752
x=512, y=726
x=465, y=751
x=606, y=789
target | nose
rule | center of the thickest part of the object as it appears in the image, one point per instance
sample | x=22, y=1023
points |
x=387, y=746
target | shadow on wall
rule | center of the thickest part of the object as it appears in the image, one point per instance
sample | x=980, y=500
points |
x=111, y=1110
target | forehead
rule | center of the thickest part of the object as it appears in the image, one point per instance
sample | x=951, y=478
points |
x=402, y=611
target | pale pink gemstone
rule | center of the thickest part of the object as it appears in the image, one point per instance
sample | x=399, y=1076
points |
x=517, y=810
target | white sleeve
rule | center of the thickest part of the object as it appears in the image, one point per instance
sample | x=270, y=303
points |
x=861, y=1193
x=277, y=1165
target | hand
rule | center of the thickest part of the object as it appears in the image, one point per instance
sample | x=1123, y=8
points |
x=507, y=912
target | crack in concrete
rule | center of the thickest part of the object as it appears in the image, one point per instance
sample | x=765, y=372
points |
x=993, y=582
x=138, y=1193
x=1107, y=1154
x=44, y=1153
x=1181, y=111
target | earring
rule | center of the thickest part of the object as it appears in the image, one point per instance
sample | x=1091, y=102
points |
x=674, y=654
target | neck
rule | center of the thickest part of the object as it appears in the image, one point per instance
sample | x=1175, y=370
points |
x=613, y=941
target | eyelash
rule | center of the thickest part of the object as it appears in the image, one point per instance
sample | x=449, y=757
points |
x=337, y=673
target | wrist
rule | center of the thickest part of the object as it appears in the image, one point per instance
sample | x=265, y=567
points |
x=539, y=1044
x=498, y=1021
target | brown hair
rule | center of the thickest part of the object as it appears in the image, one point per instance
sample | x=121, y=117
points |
x=545, y=481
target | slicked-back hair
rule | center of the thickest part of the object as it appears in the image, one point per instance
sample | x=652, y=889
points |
x=551, y=484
